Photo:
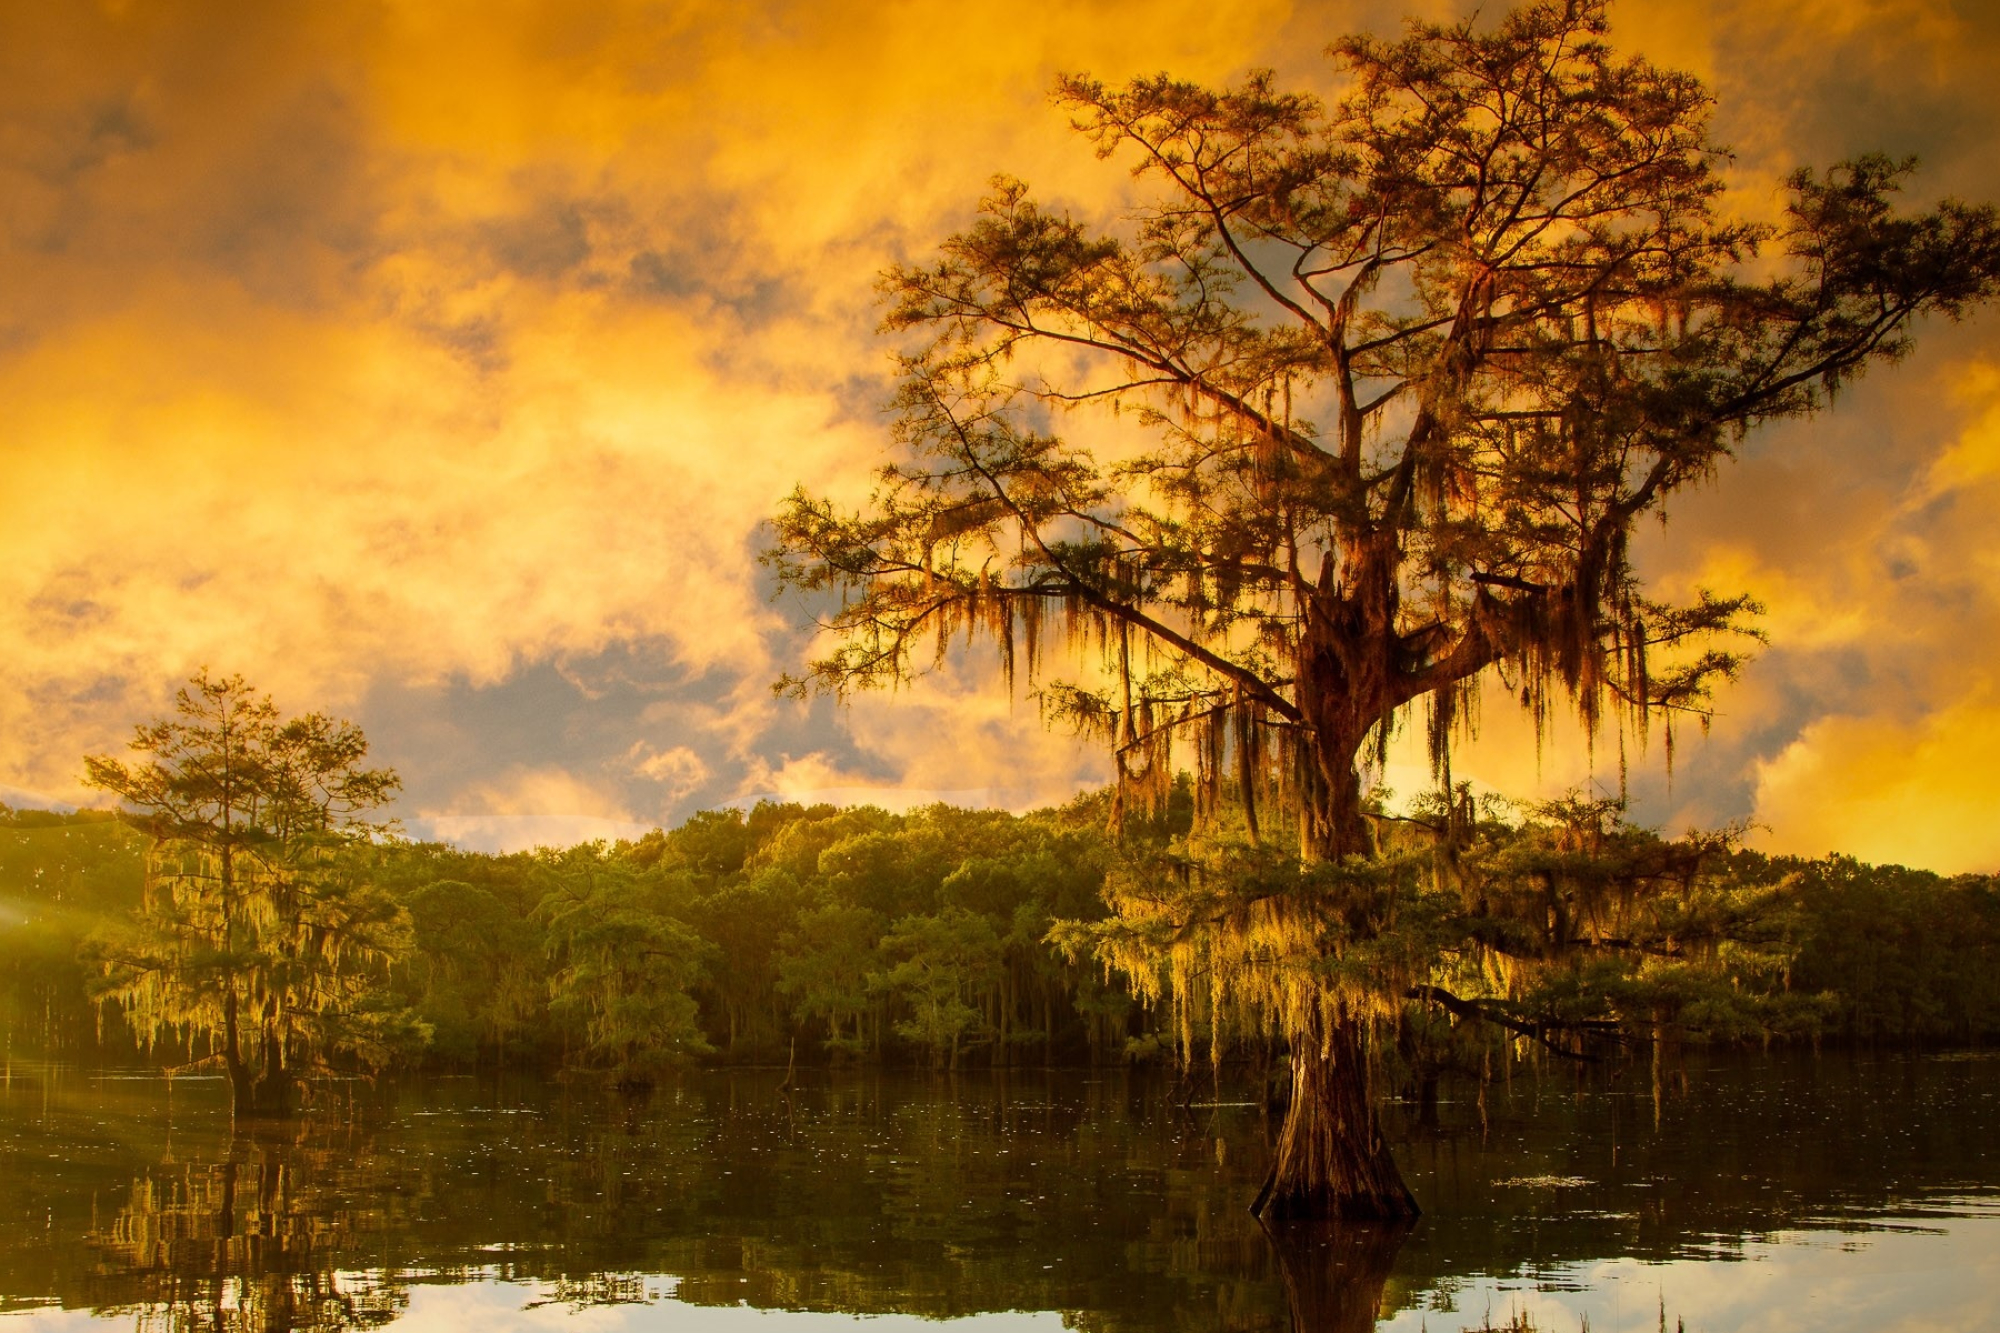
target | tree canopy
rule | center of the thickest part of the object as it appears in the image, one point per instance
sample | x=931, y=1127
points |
x=261, y=931
x=1362, y=401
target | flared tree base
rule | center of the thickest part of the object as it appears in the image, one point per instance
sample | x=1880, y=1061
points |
x=1332, y=1163
x=271, y=1095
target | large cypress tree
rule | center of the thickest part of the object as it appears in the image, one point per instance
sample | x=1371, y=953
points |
x=1359, y=408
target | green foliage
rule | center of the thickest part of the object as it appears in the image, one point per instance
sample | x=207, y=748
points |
x=939, y=965
x=1569, y=930
x=824, y=962
x=1903, y=955
x=1583, y=922
x=261, y=933
x=61, y=877
x=625, y=962
x=477, y=968
x=742, y=918
x=862, y=934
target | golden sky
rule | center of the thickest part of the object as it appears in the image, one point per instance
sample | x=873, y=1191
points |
x=435, y=364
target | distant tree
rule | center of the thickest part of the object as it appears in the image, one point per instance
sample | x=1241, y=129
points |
x=711, y=843
x=939, y=967
x=262, y=933
x=743, y=918
x=60, y=875
x=477, y=972
x=625, y=960
x=1376, y=390
x=824, y=962
x=1904, y=954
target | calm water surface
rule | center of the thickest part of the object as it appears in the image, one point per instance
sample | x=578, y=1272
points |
x=1824, y=1194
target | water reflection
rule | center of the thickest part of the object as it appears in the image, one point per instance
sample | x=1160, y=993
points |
x=1334, y=1275
x=509, y=1204
x=241, y=1244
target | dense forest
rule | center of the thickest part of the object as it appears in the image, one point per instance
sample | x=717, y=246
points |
x=822, y=934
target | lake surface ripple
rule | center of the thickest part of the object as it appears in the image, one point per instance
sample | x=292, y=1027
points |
x=1792, y=1192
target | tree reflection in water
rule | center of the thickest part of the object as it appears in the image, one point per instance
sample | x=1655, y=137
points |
x=242, y=1246
x=257, y=1243
x=1093, y=1196
x=878, y=1195
x=1334, y=1273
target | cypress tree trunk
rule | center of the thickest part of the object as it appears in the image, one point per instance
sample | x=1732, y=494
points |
x=264, y=1091
x=256, y=1092
x=244, y=1098
x=271, y=1095
x=1331, y=1161
x=1349, y=680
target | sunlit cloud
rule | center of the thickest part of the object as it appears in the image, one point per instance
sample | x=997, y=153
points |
x=679, y=771
x=956, y=736
x=414, y=359
x=1911, y=790
x=526, y=808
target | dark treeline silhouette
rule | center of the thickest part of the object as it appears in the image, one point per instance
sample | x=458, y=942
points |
x=853, y=935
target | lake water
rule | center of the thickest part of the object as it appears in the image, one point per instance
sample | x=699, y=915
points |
x=1792, y=1192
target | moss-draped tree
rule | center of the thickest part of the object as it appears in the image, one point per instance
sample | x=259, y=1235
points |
x=262, y=934
x=625, y=959
x=1359, y=405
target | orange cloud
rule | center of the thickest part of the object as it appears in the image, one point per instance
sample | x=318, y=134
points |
x=416, y=347
x=1920, y=791
x=526, y=808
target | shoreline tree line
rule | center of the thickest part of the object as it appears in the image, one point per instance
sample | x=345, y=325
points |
x=942, y=938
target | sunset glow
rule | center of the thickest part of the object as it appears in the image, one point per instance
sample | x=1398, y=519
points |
x=438, y=366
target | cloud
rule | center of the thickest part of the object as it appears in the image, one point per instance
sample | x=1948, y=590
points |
x=526, y=808
x=546, y=790
x=1973, y=459
x=679, y=771
x=954, y=735
x=521, y=833
x=1918, y=790
x=427, y=362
